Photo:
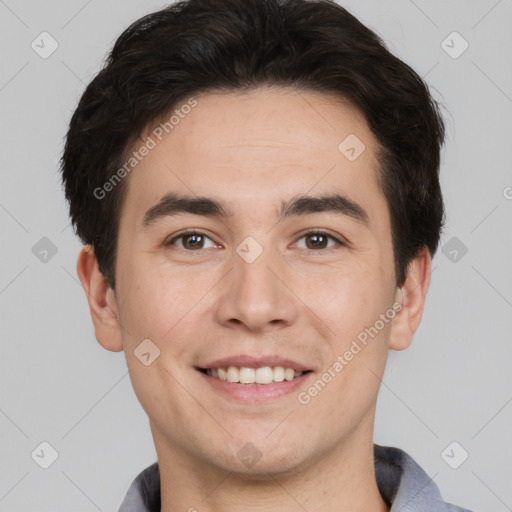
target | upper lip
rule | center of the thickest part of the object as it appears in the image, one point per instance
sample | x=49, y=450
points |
x=249, y=361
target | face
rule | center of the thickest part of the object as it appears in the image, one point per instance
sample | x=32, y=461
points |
x=275, y=276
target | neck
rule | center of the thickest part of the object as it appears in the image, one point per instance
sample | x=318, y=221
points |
x=342, y=480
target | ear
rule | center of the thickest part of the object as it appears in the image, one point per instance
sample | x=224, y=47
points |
x=101, y=299
x=412, y=297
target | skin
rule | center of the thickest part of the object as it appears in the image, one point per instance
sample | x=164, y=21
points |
x=253, y=151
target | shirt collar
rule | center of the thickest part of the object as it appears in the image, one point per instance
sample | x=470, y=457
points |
x=401, y=481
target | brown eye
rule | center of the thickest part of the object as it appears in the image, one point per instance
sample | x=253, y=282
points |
x=318, y=240
x=190, y=241
x=193, y=241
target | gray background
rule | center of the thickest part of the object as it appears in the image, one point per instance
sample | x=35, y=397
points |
x=58, y=385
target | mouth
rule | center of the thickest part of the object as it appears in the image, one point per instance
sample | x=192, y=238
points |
x=260, y=385
x=263, y=375
x=252, y=378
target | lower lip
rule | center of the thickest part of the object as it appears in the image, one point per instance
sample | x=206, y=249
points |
x=255, y=392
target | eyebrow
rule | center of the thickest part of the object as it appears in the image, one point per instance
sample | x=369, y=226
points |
x=174, y=204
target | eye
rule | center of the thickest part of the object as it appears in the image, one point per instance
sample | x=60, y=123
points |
x=190, y=240
x=318, y=240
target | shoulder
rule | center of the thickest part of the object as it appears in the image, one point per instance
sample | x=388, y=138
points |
x=405, y=485
x=144, y=493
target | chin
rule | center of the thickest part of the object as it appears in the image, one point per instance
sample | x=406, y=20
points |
x=262, y=460
x=266, y=471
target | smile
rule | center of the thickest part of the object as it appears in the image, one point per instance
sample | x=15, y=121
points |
x=245, y=375
x=254, y=385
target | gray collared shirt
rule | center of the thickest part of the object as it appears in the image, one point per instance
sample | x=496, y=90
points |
x=401, y=481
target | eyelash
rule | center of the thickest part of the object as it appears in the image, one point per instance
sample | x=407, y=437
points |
x=309, y=232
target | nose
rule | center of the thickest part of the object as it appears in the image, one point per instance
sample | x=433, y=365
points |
x=256, y=296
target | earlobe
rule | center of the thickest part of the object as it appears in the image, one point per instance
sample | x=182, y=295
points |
x=101, y=299
x=412, y=296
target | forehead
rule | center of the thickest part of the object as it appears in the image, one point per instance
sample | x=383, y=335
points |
x=254, y=147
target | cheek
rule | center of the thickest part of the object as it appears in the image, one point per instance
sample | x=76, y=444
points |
x=355, y=349
x=348, y=299
x=156, y=297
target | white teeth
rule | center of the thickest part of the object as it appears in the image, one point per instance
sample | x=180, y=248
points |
x=233, y=374
x=247, y=375
x=289, y=374
x=263, y=375
x=278, y=374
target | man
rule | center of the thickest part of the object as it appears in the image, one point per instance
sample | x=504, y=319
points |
x=256, y=185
